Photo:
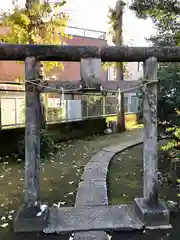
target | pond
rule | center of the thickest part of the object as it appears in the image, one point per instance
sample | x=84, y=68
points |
x=125, y=183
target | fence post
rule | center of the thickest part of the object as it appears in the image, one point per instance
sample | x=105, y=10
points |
x=32, y=136
x=152, y=210
x=0, y=113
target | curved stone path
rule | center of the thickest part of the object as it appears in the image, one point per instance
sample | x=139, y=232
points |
x=92, y=190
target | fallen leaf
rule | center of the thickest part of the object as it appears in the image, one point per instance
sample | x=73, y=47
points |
x=4, y=225
x=39, y=214
x=71, y=193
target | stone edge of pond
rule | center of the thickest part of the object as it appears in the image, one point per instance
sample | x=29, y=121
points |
x=92, y=188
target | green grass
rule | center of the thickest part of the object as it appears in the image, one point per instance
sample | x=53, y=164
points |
x=125, y=178
x=60, y=175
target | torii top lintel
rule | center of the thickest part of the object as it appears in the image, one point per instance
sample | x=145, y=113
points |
x=11, y=52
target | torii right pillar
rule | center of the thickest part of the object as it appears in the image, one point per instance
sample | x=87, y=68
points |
x=151, y=209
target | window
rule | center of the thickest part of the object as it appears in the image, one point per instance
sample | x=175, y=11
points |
x=125, y=104
x=111, y=74
x=134, y=104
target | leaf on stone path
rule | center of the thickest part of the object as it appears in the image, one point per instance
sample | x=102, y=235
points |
x=4, y=225
x=71, y=182
x=9, y=217
x=78, y=170
x=21, y=179
x=3, y=218
x=178, y=195
x=2, y=176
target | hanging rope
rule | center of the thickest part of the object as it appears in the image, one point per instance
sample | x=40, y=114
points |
x=61, y=90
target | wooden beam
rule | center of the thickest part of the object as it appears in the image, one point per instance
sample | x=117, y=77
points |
x=11, y=52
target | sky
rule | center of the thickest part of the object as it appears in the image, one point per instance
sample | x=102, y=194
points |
x=92, y=14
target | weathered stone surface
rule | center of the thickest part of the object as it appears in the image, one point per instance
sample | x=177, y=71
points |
x=86, y=218
x=102, y=157
x=122, y=146
x=152, y=217
x=114, y=149
x=90, y=69
x=150, y=148
x=32, y=134
x=91, y=193
x=91, y=235
x=52, y=221
x=25, y=222
x=95, y=171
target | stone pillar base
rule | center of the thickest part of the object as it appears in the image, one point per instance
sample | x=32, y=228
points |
x=32, y=219
x=154, y=218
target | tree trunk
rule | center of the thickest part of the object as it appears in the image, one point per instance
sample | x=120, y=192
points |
x=119, y=66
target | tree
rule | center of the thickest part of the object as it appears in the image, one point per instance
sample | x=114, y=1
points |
x=165, y=15
x=40, y=24
x=155, y=8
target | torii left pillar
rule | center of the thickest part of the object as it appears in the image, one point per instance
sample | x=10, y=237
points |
x=30, y=217
x=151, y=209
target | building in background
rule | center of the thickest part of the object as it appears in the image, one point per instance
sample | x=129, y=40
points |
x=12, y=71
x=12, y=103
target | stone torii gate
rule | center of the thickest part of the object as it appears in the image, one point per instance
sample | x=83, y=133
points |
x=150, y=207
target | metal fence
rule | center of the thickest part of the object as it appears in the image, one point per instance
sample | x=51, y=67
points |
x=12, y=108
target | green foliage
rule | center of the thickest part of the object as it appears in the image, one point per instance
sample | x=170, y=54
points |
x=40, y=24
x=165, y=15
x=155, y=9
x=93, y=99
x=47, y=145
